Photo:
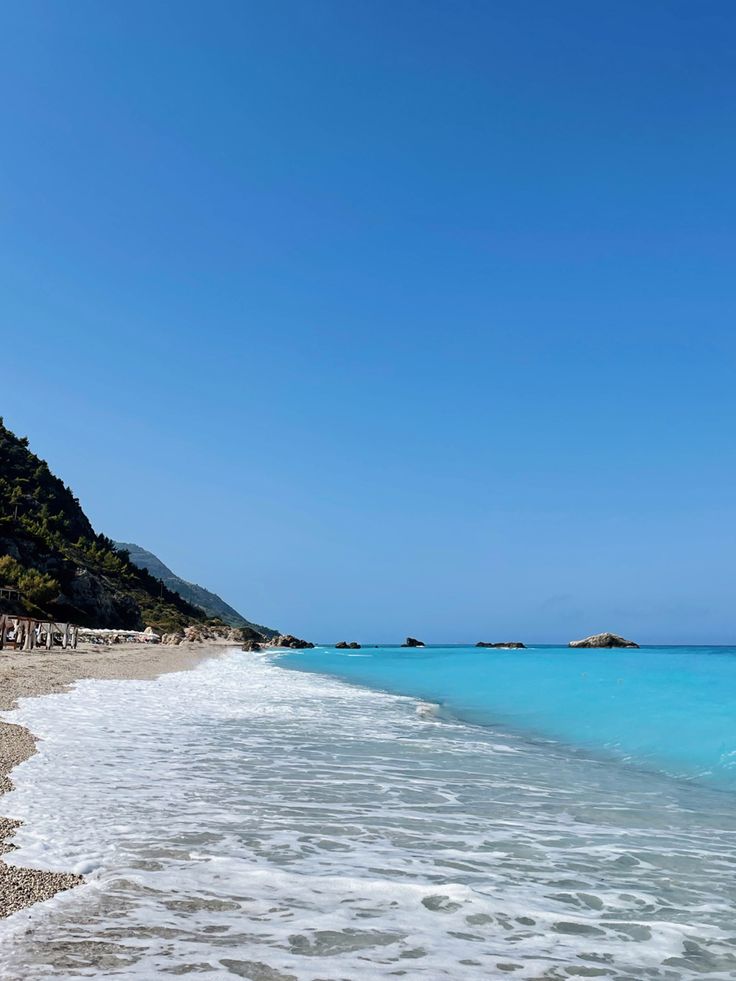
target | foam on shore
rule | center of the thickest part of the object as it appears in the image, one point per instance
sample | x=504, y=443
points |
x=244, y=820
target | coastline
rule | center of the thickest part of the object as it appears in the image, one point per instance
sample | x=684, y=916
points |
x=39, y=672
x=240, y=820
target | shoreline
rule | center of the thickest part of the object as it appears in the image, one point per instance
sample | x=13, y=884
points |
x=31, y=674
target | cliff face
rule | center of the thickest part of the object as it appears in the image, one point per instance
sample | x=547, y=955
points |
x=61, y=566
x=212, y=604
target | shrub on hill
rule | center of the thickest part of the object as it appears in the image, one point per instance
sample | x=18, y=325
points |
x=51, y=553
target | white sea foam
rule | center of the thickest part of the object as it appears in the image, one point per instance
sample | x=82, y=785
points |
x=427, y=710
x=244, y=820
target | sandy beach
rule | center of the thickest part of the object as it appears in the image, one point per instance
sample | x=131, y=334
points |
x=40, y=672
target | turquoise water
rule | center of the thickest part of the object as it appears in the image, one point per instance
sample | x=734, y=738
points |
x=671, y=709
x=248, y=820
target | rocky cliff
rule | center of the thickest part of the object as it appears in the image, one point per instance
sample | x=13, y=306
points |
x=207, y=601
x=60, y=566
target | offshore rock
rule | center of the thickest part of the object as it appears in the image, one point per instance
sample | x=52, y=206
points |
x=413, y=642
x=344, y=646
x=513, y=645
x=603, y=640
x=289, y=640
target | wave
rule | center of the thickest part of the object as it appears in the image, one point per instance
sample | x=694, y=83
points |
x=666, y=709
x=244, y=820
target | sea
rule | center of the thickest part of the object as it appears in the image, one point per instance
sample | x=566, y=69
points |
x=435, y=813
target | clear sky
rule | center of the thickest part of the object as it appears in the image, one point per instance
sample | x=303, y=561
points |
x=386, y=318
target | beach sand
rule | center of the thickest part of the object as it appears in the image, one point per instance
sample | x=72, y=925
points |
x=40, y=672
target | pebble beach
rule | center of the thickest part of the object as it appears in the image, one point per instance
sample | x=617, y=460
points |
x=40, y=672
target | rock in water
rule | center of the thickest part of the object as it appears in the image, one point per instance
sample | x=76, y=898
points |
x=289, y=640
x=603, y=640
x=513, y=645
x=344, y=646
x=413, y=642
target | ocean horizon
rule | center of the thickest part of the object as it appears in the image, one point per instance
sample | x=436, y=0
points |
x=442, y=812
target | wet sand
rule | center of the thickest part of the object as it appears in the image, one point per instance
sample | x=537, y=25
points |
x=41, y=672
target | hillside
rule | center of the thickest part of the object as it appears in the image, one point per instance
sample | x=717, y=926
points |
x=62, y=567
x=212, y=604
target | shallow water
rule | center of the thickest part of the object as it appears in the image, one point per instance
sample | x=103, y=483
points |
x=665, y=708
x=245, y=820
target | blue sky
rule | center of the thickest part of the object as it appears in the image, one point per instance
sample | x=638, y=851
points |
x=386, y=318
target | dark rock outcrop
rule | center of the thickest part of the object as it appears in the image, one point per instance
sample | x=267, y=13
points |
x=413, y=642
x=513, y=645
x=250, y=634
x=344, y=646
x=603, y=640
x=289, y=640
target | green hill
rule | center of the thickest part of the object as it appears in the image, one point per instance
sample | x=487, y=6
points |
x=62, y=567
x=212, y=604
